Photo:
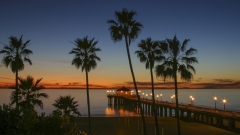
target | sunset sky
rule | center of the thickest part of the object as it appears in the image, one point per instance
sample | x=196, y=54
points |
x=213, y=27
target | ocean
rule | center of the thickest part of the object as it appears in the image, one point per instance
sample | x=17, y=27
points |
x=99, y=101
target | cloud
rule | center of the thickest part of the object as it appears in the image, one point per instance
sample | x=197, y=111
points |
x=221, y=84
x=155, y=83
x=158, y=85
x=73, y=83
x=7, y=78
x=223, y=80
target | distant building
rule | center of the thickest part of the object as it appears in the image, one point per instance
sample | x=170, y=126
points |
x=123, y=91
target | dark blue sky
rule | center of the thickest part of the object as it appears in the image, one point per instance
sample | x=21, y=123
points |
x=212, y=26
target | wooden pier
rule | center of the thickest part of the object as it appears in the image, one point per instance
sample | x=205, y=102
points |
x=188, y=112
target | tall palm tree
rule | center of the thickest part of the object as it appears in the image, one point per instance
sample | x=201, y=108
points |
x=14, y=55
x=126, y=27
x=178, y=59
x=86, y=58
x=149, y=53
x=66, y=105
x=29, y=94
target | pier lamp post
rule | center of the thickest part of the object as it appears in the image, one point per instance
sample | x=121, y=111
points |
x=161, y=96
x=224, y=102
x=151, y=95
x=215, y=100
x=143, y=95
x=139, y=93
x=192, y=99
x=146, y=96
x=107, y=92
x=172, y=98
x=157, y=97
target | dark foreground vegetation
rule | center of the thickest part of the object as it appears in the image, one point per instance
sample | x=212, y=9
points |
x=27, y=122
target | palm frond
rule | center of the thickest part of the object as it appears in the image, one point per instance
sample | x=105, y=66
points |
x=185, y=74
x=189, y=60
x=190, y=67
x=25, y=45
x=184, y=44
x=163, y=72
x=190, y=51
x=7, y=60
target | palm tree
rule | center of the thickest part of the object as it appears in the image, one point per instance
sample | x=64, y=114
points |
x=128, y=28
x=180, y=60
x=149, y=53
x=66, y=105
x=14, y=55
x=29, y=94
x=86, y=58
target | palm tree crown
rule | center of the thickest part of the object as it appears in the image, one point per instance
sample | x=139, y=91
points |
x=29, y=93
x=66, y=105
x=178, y=59
x=16, y=53
x=150, y=52
x=124, y=26
x=85, y=54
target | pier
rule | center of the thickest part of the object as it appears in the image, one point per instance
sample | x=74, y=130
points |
x=188, y=112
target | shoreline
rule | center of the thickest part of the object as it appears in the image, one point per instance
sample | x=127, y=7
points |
x=132, y=126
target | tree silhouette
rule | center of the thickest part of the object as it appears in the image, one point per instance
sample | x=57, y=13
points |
x=14, y=55
x=179, y=60
x=86, y=58
x=66, y=105
x=126, y=27
x=149, y=53
x=29, y=94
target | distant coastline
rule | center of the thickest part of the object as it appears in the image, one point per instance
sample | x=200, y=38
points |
x=129, y=88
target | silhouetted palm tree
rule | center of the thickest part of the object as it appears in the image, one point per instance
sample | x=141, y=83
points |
x=86, y=58
x=29, y=94
x=128, y=28
x=66, y=105
x=149, y=53
x=180, y=60
x=14, y=55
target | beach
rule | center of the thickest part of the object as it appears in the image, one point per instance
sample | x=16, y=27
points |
x=167, y=125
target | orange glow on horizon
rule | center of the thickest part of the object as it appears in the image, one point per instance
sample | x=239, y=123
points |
x=96, y=82
x=8, y=84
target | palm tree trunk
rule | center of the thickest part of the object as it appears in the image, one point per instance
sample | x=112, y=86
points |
x=154, y=106
x=17, y=105
x=88, y=103
x=176, y=96
x=136, y=89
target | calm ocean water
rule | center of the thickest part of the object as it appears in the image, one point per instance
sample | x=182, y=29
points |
x=99, y=101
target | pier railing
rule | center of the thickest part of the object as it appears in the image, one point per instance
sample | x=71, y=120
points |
x=228, y=112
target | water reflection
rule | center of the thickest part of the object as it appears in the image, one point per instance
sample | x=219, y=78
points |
x=115, y=112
